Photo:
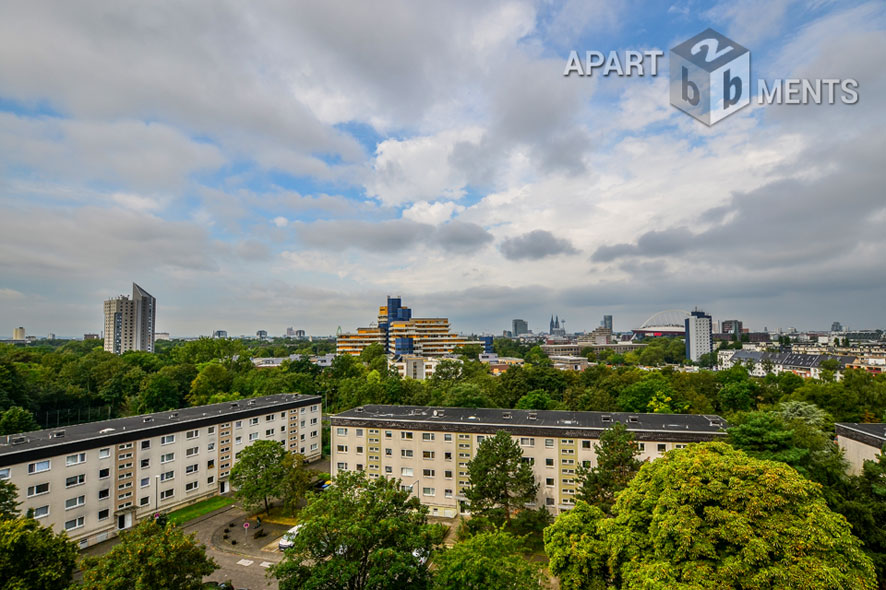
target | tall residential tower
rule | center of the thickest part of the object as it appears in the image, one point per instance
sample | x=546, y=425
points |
x=698, y=335
x=129, y=323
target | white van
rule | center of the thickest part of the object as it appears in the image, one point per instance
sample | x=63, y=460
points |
x=288, y=537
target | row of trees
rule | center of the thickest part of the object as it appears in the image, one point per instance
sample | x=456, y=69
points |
x=47, y=383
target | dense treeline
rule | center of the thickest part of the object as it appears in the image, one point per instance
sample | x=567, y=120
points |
x=51, y=382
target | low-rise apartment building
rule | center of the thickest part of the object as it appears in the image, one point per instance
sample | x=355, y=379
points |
x=860, y=443
x=429, y=448
x=95, y=479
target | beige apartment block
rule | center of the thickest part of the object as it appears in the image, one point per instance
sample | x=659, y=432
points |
x=429, y=448
x=860, y=443
x=95, y=479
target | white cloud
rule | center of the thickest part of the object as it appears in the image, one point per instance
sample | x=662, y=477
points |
x=434, y=213
x=419, y=169
x=281, y=221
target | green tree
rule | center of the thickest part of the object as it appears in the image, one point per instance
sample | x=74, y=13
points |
x=8, y=499
x=213, y=378
x=617, y=464
x=500, y=480
x=537, y=399
x=148, y=557
x=767, y=435
x=486, y=561
x=258, y=473
x=576, y=550
x=16, y=420
x=360, y=534
x=710, y=516
x=32, y=556
x=296, y=481
x=865, y=509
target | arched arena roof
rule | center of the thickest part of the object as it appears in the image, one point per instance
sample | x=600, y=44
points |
x=670, y=320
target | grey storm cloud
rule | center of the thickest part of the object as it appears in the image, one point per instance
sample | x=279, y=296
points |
x=785, y=223
x=535, y=245
x=391, y=236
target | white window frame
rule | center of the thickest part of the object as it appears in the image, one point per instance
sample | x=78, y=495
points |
x=35, y=467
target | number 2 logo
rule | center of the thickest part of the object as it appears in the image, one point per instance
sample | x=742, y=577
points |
x=712, y=52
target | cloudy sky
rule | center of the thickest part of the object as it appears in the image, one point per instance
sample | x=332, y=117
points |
x=270, y=164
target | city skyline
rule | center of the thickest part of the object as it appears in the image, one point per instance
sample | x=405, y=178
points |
x=287, y=165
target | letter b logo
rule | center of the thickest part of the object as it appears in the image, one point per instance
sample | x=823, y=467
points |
x=710, y=76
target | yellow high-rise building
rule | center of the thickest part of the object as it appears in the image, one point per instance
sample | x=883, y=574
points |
x=399, y=333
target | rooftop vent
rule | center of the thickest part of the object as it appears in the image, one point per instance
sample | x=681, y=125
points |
x=148, y=419
x=106, y=430
x=438, y=413
x=606, y=418
x=58, y=434
x=506, y=415
x=633, y=419
x=472, y=418
x=19, y=440
x=173, y=416
x=250, y=402
x=359, y=409
x=533, y=416
x=235, y=405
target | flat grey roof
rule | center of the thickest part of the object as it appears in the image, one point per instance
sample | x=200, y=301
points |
x=142, y=426
x=877, y=431
x=707, y=423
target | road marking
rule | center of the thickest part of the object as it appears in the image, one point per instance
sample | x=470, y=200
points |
x=245, y=562
x=266, y=564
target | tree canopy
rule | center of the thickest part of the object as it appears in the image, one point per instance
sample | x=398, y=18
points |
x=486, y=561
x=500, y=480
x=8, y=499
x=259, y=473
x=32, y=556
x=360, y=534
x=708, y=517
x=148, y=557
x=617, y=464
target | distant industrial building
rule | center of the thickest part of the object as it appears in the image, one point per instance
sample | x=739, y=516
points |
x=91, y=336
x=519, y=327
x=18, y=333
x=220, y=334
x=129, y=323
x=401, y=334
x=836, y=327
x=732, y=327
x=262, y=334
x=699, y=340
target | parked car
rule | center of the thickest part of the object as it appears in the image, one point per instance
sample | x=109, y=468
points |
x=288, y=537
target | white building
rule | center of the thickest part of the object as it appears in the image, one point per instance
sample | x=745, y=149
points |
x=129, y=323
x=429, y=448
x=698, y=333
x=92, y=480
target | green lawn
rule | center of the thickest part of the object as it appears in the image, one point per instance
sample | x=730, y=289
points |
x=193, y=511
